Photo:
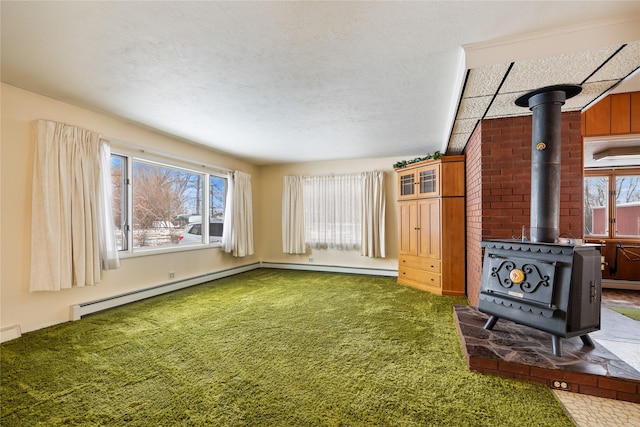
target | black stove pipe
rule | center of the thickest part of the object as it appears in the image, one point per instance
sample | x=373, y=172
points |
x=545, y=104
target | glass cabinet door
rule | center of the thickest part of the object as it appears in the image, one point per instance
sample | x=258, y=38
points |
x=419, y=182
x=428, y=180
x=407, y=184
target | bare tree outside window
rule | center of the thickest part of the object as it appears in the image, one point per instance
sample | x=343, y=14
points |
x=160, y=193
x=118, y=203
x=217, y=194
x=627, y=206
x=596, y=208
x=612, y=205
x=160, y=205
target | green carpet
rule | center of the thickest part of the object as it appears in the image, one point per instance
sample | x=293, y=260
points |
x=265, y=348
x=633, y=313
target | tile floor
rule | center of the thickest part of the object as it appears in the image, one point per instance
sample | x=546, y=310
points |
x=591, y=411
x=621, y=336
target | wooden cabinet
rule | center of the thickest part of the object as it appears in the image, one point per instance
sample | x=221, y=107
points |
x=616, y=114
x=431, y=248
x=620, y=113
x=635, y=112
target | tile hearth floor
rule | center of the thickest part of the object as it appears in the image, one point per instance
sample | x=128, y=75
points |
x=611, y=369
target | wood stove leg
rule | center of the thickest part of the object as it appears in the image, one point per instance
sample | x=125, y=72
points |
x=556, y=345
x=491, y=322
x=586, y=340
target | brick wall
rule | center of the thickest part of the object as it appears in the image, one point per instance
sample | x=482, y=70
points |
x=501, y=150
x=473, y=201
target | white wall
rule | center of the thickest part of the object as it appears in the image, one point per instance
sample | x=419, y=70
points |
x=31, y=311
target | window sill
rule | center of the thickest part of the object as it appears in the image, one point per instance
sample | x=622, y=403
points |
x=166, y=250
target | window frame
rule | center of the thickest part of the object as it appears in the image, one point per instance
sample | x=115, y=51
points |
x=612, y=175
x=207, y=171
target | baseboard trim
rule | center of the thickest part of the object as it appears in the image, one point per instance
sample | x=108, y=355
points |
x=10, y=333
x=331, y=269
x=621, y=284
x=79, y=310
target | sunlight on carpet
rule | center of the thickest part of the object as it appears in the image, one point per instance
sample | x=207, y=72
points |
x=265, y=348
x=632, y=313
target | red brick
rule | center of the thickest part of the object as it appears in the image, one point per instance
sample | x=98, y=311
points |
x=629, y=397
x=583, y=379
x=482, y=363
x=513, y=367
x=599, y=392
x=543, y=373
x=617, y=385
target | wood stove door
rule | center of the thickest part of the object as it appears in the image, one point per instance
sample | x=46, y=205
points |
x=522, y=279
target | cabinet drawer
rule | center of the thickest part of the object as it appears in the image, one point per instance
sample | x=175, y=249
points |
x=413, y=275
x=420, y=263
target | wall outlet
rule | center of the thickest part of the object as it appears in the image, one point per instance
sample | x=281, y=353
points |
x=172, y=275
x=310, y=259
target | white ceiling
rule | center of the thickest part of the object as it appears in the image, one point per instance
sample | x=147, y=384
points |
x=306, y=81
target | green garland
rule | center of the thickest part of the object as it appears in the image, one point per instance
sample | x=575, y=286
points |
x=404, y=163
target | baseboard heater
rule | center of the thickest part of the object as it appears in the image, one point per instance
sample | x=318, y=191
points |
x=79, y=310
x=10, y=333
x=331, y=269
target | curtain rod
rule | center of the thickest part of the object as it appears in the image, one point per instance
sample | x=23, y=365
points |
x=337, y=174
x=128, y=145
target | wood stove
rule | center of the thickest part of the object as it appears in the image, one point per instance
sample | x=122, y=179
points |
x=551, y=287
x=542, y=284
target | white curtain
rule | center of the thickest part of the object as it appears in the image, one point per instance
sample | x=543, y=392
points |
x=237, y=233
x=69, y=237
x=293, y=216
x=373, y=215
x=332, y=211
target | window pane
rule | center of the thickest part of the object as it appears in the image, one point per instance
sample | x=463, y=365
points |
x=627, y=206
x=118, y=201
x=596, y=206
x=160, y=195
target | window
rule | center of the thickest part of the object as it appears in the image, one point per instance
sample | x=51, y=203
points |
x=119, y=199
x=596, y=206
x=333, y=211
x=627, y=206
x=612, y=204
x=159, y=205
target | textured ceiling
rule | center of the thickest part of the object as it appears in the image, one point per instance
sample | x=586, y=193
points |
x=306, y=81
x=491, y=91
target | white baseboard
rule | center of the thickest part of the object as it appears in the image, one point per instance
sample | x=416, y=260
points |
x=331, y=269
x=79, y=310
x=621, y=284
x=9, y=333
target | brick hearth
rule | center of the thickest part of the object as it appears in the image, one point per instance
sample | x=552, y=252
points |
x=517, y=351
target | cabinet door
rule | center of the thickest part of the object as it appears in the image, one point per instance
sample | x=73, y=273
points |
x=429, y=228
x=428, y=179
x=620, y=113
x=408, y=230
x=407, y=184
